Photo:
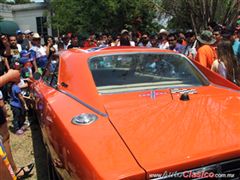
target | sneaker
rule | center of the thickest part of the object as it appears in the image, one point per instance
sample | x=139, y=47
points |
x=19, y=132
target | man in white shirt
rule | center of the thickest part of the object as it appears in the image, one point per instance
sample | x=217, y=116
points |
x=38, y=53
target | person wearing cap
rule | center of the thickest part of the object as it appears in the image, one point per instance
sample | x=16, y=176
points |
x=22, y=41
x=125, y=39
x=38, y=53
x=163, y=42
x=26, y=61
x=206, y=53
x=27, y=32
x=28, y=36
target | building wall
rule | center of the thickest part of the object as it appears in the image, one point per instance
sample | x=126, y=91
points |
x=24, y=15
x=27, y=19
x=6, y=12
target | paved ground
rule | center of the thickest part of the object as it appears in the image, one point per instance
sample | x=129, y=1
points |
x=29, y=148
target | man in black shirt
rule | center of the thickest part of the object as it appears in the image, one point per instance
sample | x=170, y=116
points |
x=22, y=41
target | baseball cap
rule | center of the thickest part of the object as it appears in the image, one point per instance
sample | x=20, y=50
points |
x=18, y=32
x=24, y=53
x=124, y=31
x=27, y=31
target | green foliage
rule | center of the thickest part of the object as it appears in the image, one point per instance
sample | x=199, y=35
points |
x=179, y=12
x=81, y=16
x=197, y=14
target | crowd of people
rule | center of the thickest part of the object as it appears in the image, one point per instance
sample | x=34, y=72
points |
x=217, y=48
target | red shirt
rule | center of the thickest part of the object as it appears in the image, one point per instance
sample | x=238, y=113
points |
x=89, y=44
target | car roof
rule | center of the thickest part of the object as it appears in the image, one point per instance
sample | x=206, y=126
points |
x=117, y=49
x=75, y=71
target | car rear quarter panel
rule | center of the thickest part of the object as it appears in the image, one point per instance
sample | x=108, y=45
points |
x=74, y=71
x=92, y=151
x=216, y=78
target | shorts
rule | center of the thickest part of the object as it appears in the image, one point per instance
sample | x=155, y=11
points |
x=2, y=117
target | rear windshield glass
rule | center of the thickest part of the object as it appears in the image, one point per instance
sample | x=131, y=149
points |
x=133, y=72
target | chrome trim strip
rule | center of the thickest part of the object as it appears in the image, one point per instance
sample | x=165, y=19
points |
x=83, y=103
x=152, y=89
x=224, y=87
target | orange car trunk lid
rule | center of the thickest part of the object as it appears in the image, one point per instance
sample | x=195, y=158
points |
x=165, y=133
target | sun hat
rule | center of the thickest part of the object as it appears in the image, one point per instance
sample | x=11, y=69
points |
x=163, y=31
x=36, y=36
x=206, y=37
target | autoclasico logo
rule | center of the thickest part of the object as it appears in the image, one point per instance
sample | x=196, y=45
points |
x=190, y=174
x=200, y=174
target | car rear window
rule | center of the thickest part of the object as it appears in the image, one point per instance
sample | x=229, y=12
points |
x=132, y=72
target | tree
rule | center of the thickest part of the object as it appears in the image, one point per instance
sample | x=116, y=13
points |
x=197, y=14
x=79, y=16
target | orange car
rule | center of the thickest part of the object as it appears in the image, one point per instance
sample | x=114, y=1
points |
x=137, y=113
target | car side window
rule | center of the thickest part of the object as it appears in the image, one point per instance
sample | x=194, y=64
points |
x=50, y=75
